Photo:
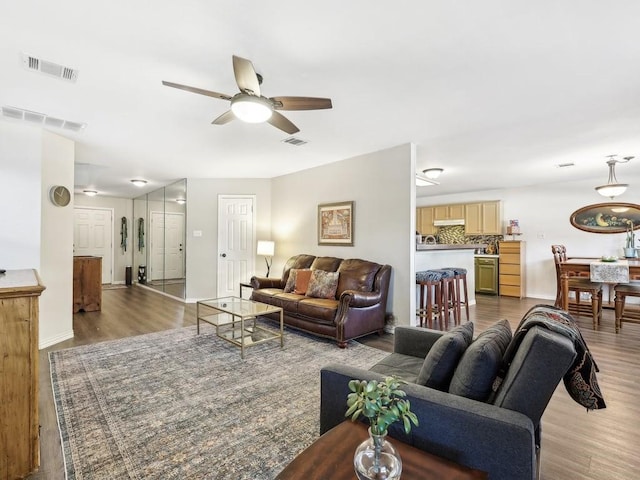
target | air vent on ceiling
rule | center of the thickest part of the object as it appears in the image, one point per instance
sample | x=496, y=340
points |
x=49, y=68
x=41, y=119
x=295, y=141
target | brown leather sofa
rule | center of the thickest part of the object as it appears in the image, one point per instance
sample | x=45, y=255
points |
x=359, y=306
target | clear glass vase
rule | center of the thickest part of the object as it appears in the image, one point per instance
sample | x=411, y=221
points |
x=376, y=458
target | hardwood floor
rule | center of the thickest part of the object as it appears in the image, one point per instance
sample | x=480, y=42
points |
x=598, y=445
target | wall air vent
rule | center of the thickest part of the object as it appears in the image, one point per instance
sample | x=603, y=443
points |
x=49, y=68
x=41, y=119
x=295, y=141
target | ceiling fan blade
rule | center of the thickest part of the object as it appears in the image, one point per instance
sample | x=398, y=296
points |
x=301, y=103
x=208, y=93
x=226, y=117
x=283, y=123
x=246, y=77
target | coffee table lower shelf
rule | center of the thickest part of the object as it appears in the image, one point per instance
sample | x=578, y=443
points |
x=331, y=456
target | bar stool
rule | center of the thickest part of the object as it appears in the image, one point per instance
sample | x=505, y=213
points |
x=462, y=294
x=430, y=282
x=450, y=300
x=624, y=290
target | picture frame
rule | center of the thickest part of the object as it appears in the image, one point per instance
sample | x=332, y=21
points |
x=610, y=217
x=336, y=224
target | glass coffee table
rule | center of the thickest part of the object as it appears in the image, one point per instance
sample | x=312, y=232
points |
x=232, y=318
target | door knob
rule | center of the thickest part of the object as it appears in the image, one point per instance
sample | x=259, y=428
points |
x=223, y=255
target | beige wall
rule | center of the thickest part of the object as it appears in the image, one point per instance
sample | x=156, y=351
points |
x=382, y=186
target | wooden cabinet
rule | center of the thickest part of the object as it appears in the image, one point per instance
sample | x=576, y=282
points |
x=424, y=221
x=512, y=268
x=448, y=212
x=19, y=428
x=486, y=278
x=87, y=284
x=483, y=218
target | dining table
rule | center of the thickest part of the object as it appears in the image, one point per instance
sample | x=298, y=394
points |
x=581, y=267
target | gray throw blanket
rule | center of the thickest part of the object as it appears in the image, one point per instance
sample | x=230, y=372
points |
x=580, y=380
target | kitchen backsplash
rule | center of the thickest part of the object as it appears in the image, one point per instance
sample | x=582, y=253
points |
x=454, y=234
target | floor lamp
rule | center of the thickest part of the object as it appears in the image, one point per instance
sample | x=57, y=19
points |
x=266, y=248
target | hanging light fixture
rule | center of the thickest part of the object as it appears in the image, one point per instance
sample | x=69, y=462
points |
x=613, y=188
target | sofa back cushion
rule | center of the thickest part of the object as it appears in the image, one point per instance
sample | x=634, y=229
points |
x=356, y=274
x=480, y=363
x=297, y=261
x=327, y=264
x=443, y=357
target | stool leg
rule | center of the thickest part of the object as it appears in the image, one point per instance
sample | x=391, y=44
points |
x=421, y=310
x=466, y=296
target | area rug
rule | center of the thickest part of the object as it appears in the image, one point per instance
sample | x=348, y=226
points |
x=176, y=405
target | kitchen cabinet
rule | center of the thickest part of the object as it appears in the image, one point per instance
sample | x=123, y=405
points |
x=87, y=284
x=448, y=212
x=424, y=221
x=483, y=218
x=486, y=273
x=19, y=428
x=512, y=268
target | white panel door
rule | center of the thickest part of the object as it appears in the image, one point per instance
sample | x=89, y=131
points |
x=174, y=245
x=235, y=243
x=157, y=246
x=93, y=236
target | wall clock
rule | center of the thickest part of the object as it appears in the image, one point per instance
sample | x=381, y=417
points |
x=60, y=196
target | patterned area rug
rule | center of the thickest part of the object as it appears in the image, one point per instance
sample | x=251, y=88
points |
x=176, y=405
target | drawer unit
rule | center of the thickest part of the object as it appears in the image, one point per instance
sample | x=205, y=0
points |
x=512, y=269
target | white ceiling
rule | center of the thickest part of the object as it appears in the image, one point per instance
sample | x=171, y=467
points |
x=495, y=92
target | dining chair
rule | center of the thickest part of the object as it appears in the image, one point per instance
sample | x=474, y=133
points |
x=577, y=286
x=623, y=312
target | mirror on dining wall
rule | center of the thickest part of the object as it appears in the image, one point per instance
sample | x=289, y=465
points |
x=160, y=238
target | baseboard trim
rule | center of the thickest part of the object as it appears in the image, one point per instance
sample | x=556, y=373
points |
x=53, y=340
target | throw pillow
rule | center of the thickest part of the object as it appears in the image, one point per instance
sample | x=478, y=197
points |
x=443, y=357
x=291, y=281
x=479, y=365
x=302, y=281
x=322, y=284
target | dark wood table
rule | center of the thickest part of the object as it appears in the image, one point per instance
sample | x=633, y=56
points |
x=331, y=456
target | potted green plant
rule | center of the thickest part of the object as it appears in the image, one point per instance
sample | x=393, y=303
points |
x=383, y=403
x=629, y=249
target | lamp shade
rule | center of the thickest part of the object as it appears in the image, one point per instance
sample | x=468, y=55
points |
x=266, y=248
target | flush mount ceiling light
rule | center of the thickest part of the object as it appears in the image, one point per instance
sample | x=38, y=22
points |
x=432, y=173
x=181, y=201
x=90, y=193
x=139, y=182
x=422, y=181
x=251, y=109
x=613, y=188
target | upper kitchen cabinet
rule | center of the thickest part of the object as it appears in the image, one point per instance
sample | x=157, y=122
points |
x=424, y=221
x=483, y=218
x=448, y=212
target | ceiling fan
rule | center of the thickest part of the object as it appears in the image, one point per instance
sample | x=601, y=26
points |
x=250, y=106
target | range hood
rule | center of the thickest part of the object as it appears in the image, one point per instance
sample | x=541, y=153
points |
x=446, y=223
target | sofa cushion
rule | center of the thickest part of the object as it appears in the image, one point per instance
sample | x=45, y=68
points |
x=478, y=367
x=356, y=274
x=291, y=280
x=287, y=301
x=302, y=281
x=322, y=310
x=322, y=284
x=443, y=357
x=328, y=264
x=265, y=295
x=406, y=367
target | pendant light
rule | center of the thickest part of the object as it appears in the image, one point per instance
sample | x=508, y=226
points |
x=613, y=188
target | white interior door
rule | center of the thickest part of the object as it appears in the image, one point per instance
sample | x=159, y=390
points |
x=235, y=242
x=174, y=245
x=93, y=236
x=156, y=246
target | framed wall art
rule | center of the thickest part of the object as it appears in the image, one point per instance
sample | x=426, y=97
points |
x=335, y=224
x=606, y=217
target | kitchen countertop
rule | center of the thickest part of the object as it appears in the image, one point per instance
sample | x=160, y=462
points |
x=422, y=247
x=494, y=255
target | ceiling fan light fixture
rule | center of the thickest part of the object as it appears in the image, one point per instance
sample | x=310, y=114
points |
x=432, y=173
x=251, y=109
x=138, y=182
x=613, y=188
